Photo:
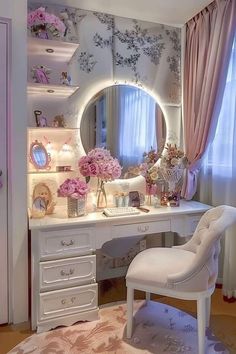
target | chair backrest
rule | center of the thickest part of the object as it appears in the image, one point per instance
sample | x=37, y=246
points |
x=205, y=242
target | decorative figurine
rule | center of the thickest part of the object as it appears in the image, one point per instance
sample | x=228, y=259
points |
x=41, y=121
x=65, y=78
x=40, y=74
x=59, y=121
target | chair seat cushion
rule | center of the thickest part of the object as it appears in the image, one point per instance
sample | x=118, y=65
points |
x=152, y=266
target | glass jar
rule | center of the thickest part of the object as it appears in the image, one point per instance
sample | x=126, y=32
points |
x=76, y=207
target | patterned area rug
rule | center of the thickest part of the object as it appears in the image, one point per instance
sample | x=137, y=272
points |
x=158, y=328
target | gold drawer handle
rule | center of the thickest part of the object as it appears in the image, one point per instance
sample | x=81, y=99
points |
x=65, y=243
x=143, y=228
x=71, y=271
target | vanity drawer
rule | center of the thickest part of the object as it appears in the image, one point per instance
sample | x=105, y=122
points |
x=64, y=302
x=65, y=243
x=192, y=222
x=67, y=272
x=140, y=228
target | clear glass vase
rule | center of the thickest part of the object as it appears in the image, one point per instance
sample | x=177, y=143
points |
x=101, y=195
x=76, y=207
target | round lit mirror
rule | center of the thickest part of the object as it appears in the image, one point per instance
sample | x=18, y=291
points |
x=39, y=156
x=125, y=120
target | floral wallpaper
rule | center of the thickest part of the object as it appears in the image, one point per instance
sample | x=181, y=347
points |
x=123, y=50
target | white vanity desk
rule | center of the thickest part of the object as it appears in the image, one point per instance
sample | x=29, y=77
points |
x=64, y=288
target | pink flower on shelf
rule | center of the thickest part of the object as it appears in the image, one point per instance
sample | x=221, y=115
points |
x=99, y=163
x=40, y=15
x=50, y=22
x=74, y=188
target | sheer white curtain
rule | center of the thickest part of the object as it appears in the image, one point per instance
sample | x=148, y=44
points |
x=128, y=123
x=137, y=125
x=218, y=175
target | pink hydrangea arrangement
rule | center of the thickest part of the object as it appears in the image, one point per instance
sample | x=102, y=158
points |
x=40, y=21
x=74, y=188
x=99, y=163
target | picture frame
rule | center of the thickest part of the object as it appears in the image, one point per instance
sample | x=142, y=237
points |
x=134, y=199
x=43, y=195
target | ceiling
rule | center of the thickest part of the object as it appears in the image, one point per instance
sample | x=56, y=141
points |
x=171, y=12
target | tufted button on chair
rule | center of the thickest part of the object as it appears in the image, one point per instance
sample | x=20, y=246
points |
x=186, y=272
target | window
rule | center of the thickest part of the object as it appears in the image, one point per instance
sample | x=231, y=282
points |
x=137, y=132
x=221, y=153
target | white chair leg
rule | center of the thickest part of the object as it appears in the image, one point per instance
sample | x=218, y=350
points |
x=208, y=311
x=130, y=298
x=201, y=321
x=148, y=296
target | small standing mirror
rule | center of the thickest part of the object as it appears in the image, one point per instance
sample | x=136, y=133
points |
x=125, y=120
x=39, y=156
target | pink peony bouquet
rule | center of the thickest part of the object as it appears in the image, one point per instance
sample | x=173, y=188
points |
x=40, y=21
x=99, y=163
x=73, y=188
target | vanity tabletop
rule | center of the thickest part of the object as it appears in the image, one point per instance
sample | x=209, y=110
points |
x=60, y=219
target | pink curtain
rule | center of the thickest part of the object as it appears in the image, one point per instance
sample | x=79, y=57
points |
x=209, y=37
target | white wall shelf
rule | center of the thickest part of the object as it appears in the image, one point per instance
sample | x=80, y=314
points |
x=56, y=91
x=58, y=51
x=46, y=172
x=52, y=129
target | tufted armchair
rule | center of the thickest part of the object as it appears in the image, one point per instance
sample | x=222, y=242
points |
x=186, y=272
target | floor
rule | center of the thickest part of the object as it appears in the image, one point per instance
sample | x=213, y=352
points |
x=223, y=315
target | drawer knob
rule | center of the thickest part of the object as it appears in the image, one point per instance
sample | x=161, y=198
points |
x=66, y=243
x=143, y=228
x=71, y=271
x=72, y=300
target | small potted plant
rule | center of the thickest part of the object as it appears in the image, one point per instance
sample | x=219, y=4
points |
x=75, y=190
